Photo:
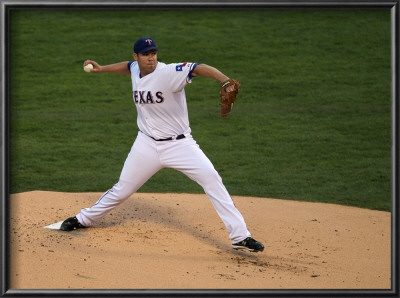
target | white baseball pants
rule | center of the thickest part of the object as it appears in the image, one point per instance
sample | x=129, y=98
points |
x=146, y=158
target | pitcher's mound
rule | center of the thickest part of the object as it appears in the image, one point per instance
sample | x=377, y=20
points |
x=177, y=241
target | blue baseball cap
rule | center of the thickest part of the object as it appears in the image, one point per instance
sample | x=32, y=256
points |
x=144, y=45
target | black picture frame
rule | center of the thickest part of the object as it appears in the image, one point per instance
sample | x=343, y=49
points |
x=7, y=6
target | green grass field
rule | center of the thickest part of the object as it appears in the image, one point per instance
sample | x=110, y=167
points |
x=312, y=121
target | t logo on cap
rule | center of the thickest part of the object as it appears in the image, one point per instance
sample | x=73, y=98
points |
x=144, y=45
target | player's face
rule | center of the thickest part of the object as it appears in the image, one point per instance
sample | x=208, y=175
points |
x=147, y=62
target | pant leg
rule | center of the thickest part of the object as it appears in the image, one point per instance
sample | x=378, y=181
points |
x=187, y=157
x=141, y=163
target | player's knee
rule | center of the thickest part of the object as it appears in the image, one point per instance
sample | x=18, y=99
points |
x=210, y=176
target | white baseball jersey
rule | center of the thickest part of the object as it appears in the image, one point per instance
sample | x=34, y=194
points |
x=160, y=99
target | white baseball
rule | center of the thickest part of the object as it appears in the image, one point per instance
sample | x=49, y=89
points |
x=88, y=68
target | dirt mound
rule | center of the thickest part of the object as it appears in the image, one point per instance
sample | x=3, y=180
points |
x=177, y=241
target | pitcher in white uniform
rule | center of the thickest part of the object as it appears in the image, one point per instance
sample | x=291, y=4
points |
x=164, y=140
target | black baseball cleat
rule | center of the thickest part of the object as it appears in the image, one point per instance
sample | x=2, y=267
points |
x=249, y=244
x=71, y=224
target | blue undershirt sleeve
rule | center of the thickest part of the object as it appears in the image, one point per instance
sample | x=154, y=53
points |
x=129, y=65
x=190, y=76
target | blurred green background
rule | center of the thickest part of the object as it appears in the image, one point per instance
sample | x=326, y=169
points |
x=312, y=121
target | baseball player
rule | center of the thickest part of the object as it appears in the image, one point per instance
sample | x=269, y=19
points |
x=164, y=139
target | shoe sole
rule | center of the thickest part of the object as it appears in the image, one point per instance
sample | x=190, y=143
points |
x=246, y=248
x=66, y=229
x=71, y=229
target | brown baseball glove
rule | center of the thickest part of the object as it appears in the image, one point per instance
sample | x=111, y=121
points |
x=227, y=94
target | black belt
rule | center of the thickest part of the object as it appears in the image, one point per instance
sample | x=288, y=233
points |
x=182, y=136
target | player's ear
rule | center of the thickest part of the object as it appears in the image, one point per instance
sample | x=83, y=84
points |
x=135, y=56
